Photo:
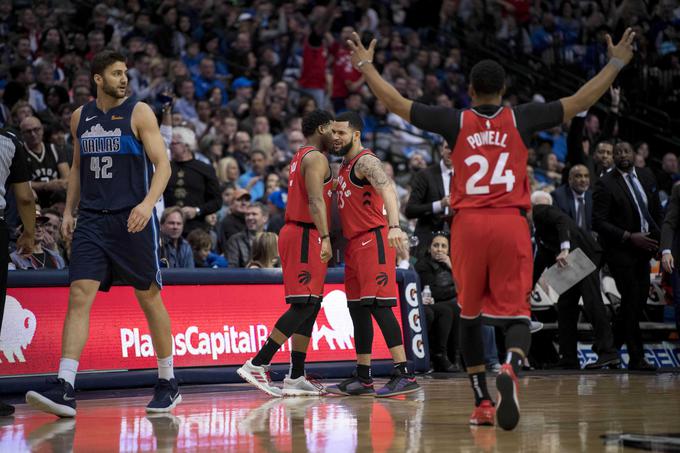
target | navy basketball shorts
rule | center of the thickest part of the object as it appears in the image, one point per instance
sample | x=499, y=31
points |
x=104, y=250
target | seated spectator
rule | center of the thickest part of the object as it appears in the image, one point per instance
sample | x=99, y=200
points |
x=667, y=175
x=276, y=202
x=47, y=163
x=41, y=258
x=228, y=171
x=235, y=221
x=265, y=252
x=253, y=179
x=52, y=238
x=442, y=313
x=193, y=185
x=239, y=246
x=175, y=251
x=211, y=227
x=200, y=244
x=227, y=197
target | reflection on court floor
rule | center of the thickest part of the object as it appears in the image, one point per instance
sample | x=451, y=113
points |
x=567, y=413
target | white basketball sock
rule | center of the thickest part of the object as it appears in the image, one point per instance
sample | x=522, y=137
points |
x=67, y=370
x=165, y=368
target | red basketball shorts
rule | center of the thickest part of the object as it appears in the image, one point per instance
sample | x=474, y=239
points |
x=492, y=263
x=303, y=271
x=370, y=270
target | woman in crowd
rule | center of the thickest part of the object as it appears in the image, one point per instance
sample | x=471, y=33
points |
x=441, y=312
x=264, y=253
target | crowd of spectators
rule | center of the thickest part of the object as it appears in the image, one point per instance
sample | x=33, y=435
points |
x=231, y=80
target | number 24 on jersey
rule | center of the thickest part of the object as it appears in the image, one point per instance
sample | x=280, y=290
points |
x=500, y=175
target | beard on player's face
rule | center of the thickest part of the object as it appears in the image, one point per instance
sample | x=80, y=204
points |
x=114, y=91
x=342, y=150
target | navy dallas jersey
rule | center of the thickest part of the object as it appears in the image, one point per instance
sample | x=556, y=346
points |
x=115, y=172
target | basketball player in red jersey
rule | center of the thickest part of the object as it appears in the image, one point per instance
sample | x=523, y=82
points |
x=490, y=241
x=365, y=195
x=305, y=248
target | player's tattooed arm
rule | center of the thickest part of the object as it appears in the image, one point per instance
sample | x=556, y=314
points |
x=371, y=168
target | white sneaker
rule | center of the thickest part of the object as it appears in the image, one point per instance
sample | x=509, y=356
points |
x=535, y=326
x=259, y=377
x=302, y=387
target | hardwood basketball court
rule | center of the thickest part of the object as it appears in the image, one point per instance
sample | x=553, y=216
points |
x=560, y=413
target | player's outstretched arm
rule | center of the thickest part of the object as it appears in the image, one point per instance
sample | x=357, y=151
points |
x=145, y=125
x=314, y=168
x=619, y=56
x=362, y=59
x=370, y=167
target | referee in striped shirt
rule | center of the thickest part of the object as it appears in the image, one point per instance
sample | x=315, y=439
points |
x=13, y=170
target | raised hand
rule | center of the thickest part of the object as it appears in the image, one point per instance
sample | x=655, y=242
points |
x=624, y=49
x=359, y=52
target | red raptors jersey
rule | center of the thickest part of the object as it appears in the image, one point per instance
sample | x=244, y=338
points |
x=361, y=207
x=297, y=208
x=490, y=163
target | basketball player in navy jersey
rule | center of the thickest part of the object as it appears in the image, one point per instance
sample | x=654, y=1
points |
x=114, y=185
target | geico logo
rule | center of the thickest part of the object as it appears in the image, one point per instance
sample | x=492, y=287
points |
x=414, y=320
x=417, y=346
x=411, y=292
x=194, y=342
x=18, y=328
x=339, y=330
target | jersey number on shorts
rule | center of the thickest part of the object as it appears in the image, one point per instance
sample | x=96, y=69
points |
x=500, y=174
x=103, y=170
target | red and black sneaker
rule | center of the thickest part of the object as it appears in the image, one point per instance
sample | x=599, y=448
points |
x=507, y=409
x=484, y=414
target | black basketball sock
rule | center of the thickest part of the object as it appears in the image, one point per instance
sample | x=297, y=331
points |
x=516, y=360
x=264, y=357
x=401, y=368
x=478, y=382
x=297, y=364
x=364, y=372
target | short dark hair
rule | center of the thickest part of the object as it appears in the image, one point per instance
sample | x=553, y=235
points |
x=104, y=59
x=487, y=77
x=261, y=206
x=313, y=120
x=353, y=118
x=605, y=141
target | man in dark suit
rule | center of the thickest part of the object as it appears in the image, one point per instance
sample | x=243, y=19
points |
x=670, y=247
x=429, y=201
x=556, y=235
x=627, y=215
x=575, y=198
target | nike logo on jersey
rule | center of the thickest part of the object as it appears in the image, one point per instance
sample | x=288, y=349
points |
x=115, y=117
x=90, y=118
x=364, y=243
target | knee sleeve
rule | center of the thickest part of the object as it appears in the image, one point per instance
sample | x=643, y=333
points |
x=389, y=326
x=307, y=326
x=471, y=341
x=363, y=328
x=294, y=317
x=517, y=335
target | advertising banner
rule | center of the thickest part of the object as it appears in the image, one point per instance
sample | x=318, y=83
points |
x=212, y=325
